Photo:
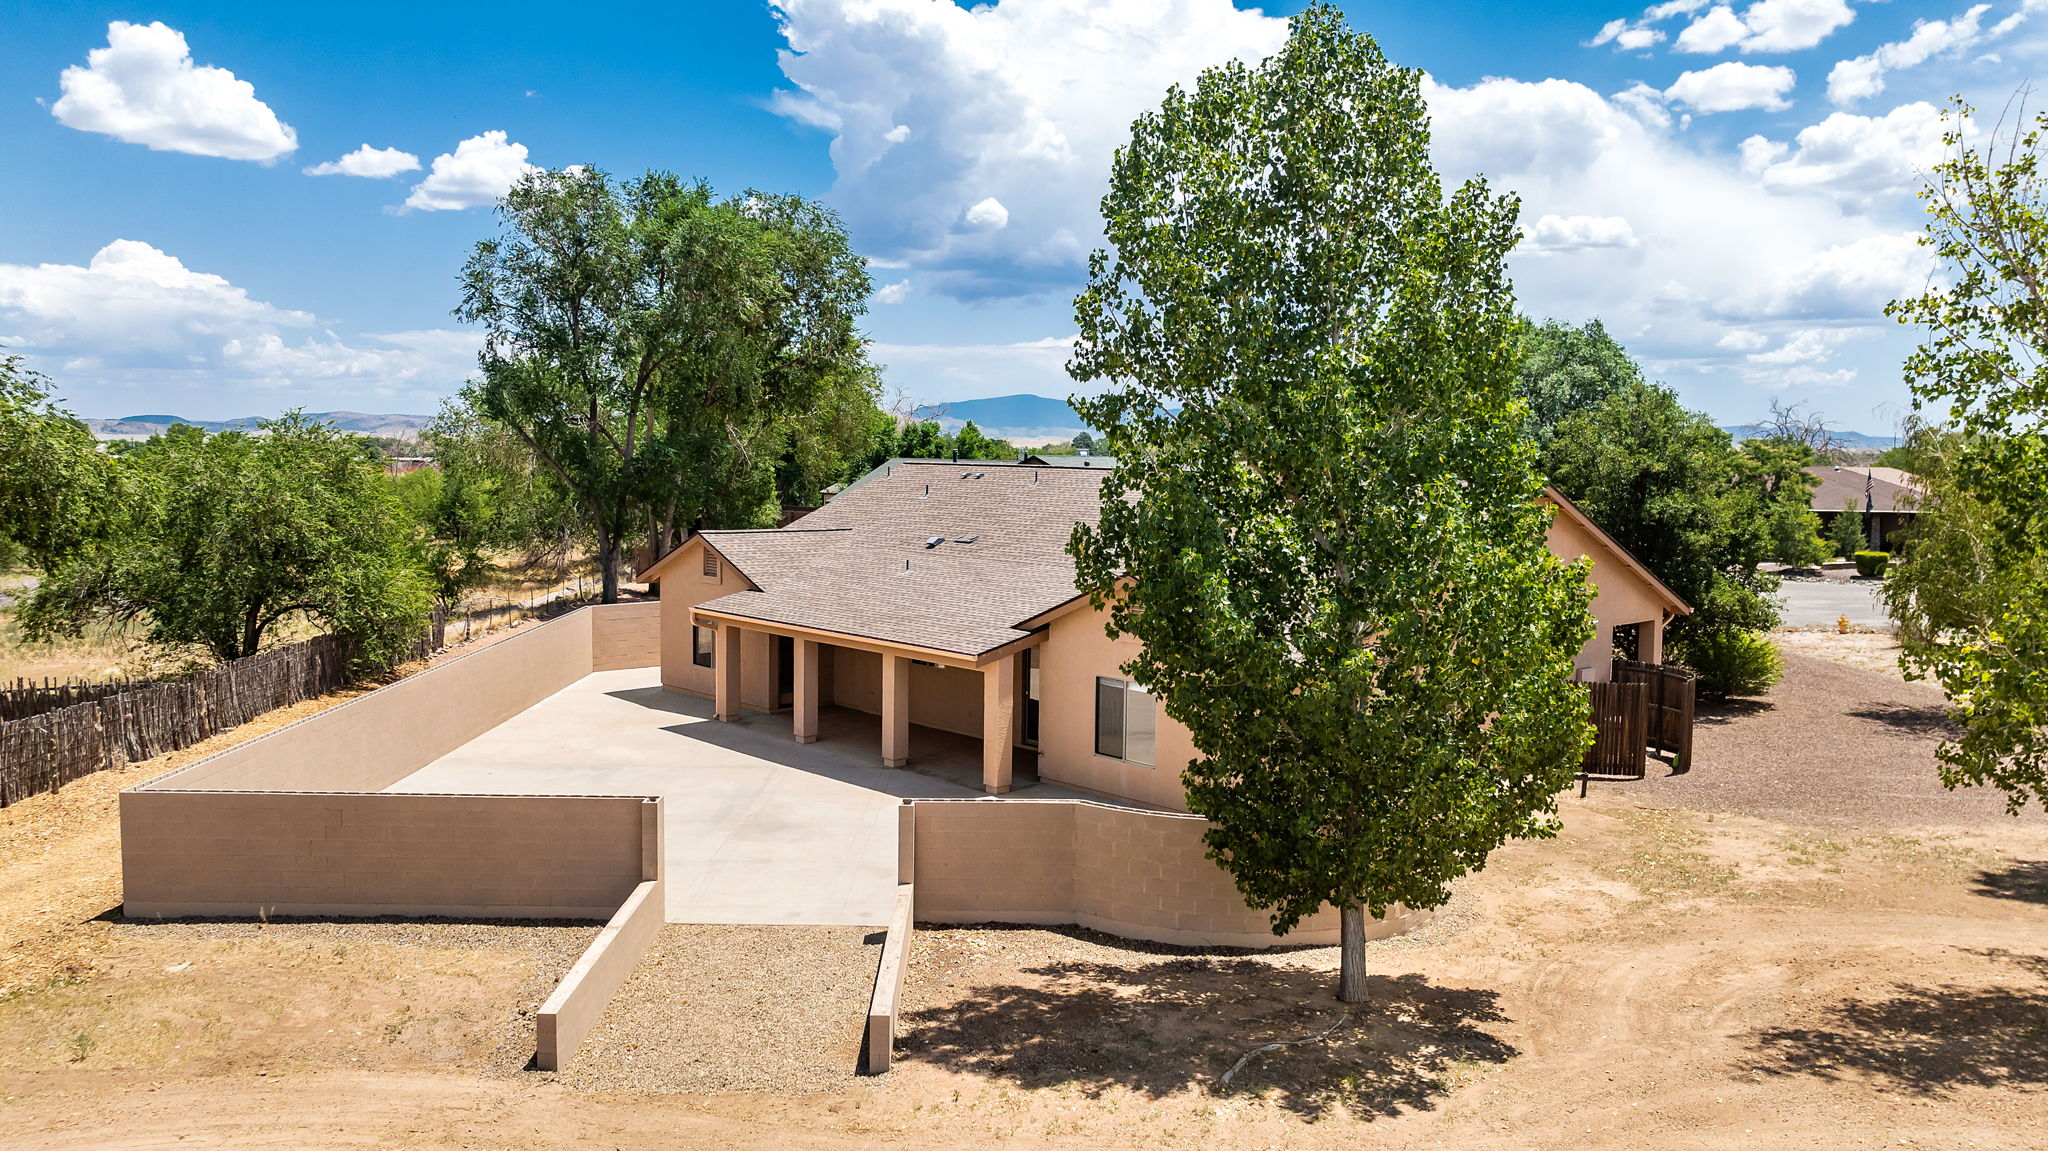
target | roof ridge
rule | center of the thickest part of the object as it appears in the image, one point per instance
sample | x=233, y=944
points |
x=766, y=531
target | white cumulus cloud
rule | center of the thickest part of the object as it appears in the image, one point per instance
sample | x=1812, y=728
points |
x=477, y=174
x=988, y=213
x=1020, y=103
x=1554, y=233
x=135, y=323
x=894, y=293
x=1763, y=26
x=1733, y=87
x=1861, y=77
x=1857, y=159
x=368, y=162
x=143, y=88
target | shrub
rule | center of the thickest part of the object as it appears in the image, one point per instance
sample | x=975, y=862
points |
x=1729, y=662
x=1872, y=564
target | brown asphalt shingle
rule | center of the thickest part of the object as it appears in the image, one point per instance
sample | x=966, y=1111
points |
x=860, y=565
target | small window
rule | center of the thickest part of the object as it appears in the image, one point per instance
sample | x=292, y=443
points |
x=703, y=646
x=1126, y=721
x=710, y=564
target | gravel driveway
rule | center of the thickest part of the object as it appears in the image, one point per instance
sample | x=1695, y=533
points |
x=1830, y=744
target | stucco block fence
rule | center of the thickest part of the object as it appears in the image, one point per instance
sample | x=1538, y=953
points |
x=295, y=822
x=1135, y=873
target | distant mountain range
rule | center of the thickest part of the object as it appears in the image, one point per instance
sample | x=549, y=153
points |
x=1023, y=420
x=1855, y=440
x=399, y=426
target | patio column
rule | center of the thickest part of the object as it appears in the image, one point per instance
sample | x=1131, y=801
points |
x=726, y=674
x=895, y=710
x=1650, y=641
x=998, y=724
x=805, y=691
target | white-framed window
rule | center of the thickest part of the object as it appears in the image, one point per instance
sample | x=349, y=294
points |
x=703, y=646
x=710, y=564
x=1126, y=721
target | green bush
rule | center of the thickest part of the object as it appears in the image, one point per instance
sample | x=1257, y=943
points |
x=1872, y=564
x=1729, y=662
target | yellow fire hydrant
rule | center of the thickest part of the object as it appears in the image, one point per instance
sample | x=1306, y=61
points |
x=1842, y=625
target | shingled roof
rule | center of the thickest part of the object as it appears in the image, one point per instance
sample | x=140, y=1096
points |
x=864, y=564
x=1891, y=490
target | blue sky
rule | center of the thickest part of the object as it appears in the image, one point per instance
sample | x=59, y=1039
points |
x=1728, y=186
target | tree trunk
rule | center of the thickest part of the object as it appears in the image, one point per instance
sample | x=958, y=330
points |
x=1351, y=930
x=608, y=564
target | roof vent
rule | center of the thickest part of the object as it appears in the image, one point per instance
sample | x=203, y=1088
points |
x=981, y=475
x=927, y=492
x=934, y=541
x=966, y=475
x=965, y=539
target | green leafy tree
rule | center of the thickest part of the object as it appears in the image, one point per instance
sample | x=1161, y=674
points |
x=1986, y=359
x=1847, y=534
x=55, y=485
x=1325, y=525
x=1568, y=369
x=224, y=537
x=654, y=346
x=1778, y=470
x=971, y=444
x=1084, y=443
x=1671, y=488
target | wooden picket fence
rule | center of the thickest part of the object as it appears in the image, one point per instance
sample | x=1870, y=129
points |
x=45, y=751
x=1645, y=706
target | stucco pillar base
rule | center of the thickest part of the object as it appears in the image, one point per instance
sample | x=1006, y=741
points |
x=804, y=717
x=726, y=675
x=998, y=725
x=895, y=710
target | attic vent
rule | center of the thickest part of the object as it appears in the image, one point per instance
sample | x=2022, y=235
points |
x=965, y=539
x=710, y=564
x=934, y=541
x=966, y=475
x=981, y=475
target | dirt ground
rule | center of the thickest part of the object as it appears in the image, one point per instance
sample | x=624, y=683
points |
x=1669, y=972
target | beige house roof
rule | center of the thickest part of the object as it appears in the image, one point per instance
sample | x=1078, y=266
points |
x=1891, y=490
x=866, y=565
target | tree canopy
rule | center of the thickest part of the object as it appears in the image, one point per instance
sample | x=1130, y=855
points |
x=1568, y=369
x=55, y=485
x=663, y=351
x=220, y=538
x=1324, y=525
x=1986, y=358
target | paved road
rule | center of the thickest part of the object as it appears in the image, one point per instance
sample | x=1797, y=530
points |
x=1818, y=603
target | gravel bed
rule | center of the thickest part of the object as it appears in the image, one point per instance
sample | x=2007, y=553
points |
x=714, y=1009
x=548, y=936
x=1830, y=744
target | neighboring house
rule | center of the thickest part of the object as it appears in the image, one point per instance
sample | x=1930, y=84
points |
x=940, y=595
x=1078, y=460
x=1886, y=495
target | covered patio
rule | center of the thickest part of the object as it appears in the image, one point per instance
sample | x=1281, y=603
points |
x=972, y=719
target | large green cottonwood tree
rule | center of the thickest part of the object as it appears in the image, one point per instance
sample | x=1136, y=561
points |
x=658, y=348
x=1324, y=525
x=55, y=485
x=1986, y=358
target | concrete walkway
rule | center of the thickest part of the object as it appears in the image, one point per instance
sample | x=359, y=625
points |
x=759, y=829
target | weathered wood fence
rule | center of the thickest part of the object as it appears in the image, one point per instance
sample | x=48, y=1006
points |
x=1645, y=706
x=43, y=752
x=26, y=697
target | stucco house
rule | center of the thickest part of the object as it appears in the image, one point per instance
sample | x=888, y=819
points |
x=938, y=595
x=1888, y=497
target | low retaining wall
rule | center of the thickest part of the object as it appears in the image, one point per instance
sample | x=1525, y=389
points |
x=580, y=999
x=889, y=973
x=475, y=856
x=373, y=741
x=1138, y=874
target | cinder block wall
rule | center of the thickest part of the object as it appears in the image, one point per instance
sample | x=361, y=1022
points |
x=255, y=853
x=375, y=740
x=624, y=635
x=1138, y=874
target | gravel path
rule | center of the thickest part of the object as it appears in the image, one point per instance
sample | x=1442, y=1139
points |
x=1831, y=743
x=736, y=1009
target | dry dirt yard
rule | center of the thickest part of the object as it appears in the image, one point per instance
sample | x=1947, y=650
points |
x=1675, y=970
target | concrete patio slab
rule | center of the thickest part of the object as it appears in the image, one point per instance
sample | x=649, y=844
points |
x=759, y=828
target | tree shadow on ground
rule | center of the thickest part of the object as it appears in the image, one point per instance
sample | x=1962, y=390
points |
x=1718, y=712
x=1926, y=1040
x=1157, y=1028
x=1908, y=719
x=2025, y=880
